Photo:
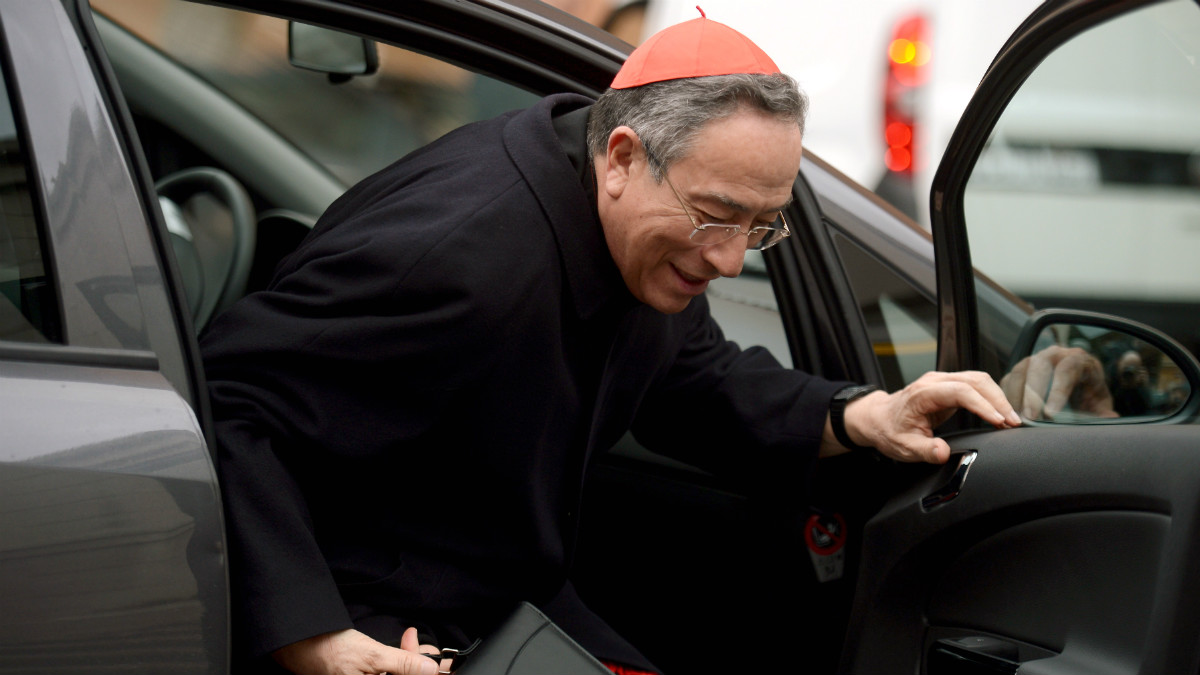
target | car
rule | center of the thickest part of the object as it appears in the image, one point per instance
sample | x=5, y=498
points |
x=161, y=156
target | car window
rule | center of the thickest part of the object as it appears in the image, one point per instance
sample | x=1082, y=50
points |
x=747, y=311
x=352, y=128
x=1087, y=195
x=901, y=322
x=28, y=305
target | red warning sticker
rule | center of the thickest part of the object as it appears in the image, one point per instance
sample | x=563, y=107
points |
x=825, y=534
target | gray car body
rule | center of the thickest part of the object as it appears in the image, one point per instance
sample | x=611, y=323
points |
x=110, y=521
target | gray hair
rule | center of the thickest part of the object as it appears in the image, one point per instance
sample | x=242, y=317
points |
x=667, y=115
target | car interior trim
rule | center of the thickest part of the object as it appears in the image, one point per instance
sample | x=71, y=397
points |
x=126, y=359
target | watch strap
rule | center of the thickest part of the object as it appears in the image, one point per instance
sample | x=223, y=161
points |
x=837, y=412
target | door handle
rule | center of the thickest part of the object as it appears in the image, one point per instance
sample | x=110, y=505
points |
x=953, y=486
x=975, y=655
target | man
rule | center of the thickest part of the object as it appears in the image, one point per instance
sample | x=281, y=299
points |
x=406, y=415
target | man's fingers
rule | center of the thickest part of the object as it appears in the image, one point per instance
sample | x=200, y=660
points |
x=973, y=391
x=902, y=424
x=404, y=662
x=916, y=447
x=443, y=664
x=1006, y=414
x=939, y=452
x=349, y=652
x=411, y=646
x=932, y=450
x=409, y=642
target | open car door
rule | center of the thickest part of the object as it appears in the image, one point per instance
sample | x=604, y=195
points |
x=1072, y=544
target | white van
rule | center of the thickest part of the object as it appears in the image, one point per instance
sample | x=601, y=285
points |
x=1097, y=160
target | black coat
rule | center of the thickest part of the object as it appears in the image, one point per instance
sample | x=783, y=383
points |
x=405, y=416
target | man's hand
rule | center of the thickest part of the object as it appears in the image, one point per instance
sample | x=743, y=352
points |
x=350, y=652
x=1044, y=384
x=901, y=425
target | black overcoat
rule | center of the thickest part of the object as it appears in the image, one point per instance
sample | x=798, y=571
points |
x=406, y=414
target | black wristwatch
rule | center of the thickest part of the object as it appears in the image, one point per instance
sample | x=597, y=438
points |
x=837, y=412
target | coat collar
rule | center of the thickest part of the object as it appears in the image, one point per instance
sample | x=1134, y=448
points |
x=535, y=148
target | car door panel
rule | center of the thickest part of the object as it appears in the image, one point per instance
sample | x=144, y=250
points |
x=1065, y=541
x=1064, y=548
x=111, y=547
x=111, y=536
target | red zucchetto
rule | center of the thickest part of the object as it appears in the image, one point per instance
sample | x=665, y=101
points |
x=697, y=48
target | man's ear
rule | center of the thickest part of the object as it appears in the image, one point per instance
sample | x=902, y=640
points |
x=623, y=151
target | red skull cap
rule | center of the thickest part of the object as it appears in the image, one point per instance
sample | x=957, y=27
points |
x=697, y=48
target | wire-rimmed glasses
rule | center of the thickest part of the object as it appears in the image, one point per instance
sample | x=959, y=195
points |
x=759, y=237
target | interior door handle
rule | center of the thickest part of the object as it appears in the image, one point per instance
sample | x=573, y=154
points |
x=975, y=655
x=953, y=486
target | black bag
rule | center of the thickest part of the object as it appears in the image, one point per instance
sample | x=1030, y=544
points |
x=527, y=643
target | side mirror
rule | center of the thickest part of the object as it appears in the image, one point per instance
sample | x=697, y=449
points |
x=324, y=50
x=1076, y=367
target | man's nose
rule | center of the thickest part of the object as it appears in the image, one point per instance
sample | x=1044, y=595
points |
x=726, y=257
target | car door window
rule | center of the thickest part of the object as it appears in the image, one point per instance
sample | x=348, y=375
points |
x=747, y=311
x=1088, y=193
x=901, y=322
x=28, y=308
x=352, y=128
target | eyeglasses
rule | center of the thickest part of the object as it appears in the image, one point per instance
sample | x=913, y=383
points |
x=760, y=237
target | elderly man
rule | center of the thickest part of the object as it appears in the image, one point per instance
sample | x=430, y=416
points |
x=407, y=414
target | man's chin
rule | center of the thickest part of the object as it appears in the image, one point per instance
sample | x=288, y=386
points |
x=669, y=305
x=671, y=295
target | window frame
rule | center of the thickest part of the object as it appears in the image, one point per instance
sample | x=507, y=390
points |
x=52, y=328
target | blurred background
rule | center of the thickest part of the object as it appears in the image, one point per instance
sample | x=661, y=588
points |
x=887, y=79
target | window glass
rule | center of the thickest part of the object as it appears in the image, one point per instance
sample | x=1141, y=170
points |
x=901, y=322
x=28, y=305
x=746, y=309
x=353, y=128
x=1087, y=195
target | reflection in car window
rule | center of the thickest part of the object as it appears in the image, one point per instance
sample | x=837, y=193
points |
x=28, y=308
x=1088, y=193
x=901, y=322
x=354, y=128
